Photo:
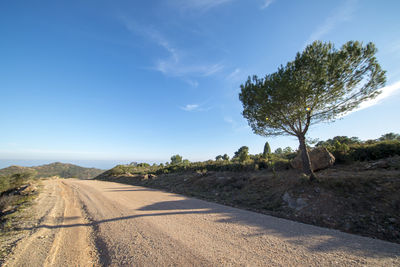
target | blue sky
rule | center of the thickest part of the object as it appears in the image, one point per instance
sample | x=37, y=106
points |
x=119, y=81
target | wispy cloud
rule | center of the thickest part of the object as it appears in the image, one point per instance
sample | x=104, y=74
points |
x=234, y=75
x=151, y=33
x=386, y=92
x=267, y=3
x=230, y=121
x=235, y=125
x=192, y=83
x=342, y=14
x=196, y=107
x=173, y=67
x=190, y=107
x=175, y=64
x=198, y=4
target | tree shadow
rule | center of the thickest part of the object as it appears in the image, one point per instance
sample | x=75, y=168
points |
x=313, y=238
x=294, y=232
x=121, y=190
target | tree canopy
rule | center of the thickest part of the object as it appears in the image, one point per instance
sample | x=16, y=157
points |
x=176, y=159
x=390, y=137
x=218, y=158
x=321, y=84
x=242, y=154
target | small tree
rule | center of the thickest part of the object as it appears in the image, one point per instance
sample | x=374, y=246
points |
x=242, y=154
x=321, y=84
x=225, y=157
x=341, y=139
x=389, y=136
x=278, y=151
x=287, y=150
x=267, y=151
x=218, y=158
x=176, y=159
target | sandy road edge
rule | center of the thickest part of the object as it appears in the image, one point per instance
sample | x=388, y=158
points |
x=95, y=241
x=49, y=239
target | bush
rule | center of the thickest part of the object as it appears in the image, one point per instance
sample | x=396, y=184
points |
x=282, y=164
x=375, y=151
x=9, y=182
x=369, y=150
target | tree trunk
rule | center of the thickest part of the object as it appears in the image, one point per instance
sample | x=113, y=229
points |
x=305, y=158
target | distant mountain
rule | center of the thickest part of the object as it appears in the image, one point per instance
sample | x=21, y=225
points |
x=63, y=170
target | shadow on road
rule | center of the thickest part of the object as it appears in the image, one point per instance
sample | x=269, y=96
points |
x=291, y=232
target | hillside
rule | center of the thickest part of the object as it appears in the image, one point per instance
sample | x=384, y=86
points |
x=63, y=170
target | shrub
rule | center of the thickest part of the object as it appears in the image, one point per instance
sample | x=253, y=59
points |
x=176, y=159
x=242, y=154
x=375, y=151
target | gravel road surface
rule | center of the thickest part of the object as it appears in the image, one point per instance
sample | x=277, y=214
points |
x=95, y=223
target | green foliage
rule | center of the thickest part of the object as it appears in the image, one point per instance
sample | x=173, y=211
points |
x=287, y=150
x=256, y=163
x=123, y=170
x=353, y=149
x=143, y=165
x=242, y=154
x=381, y=150
x=341, y=140
x=390, y=137
x=278, y=151
x=319, y=85
x=267, y=151
x=176, y=159
x=12, y=181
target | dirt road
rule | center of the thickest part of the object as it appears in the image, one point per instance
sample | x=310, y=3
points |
x=88, y=223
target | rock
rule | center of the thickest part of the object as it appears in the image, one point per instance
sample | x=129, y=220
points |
x=28, y=190
x=297, y=204
x=381, y=164
x=320, y=158
x=392, y=162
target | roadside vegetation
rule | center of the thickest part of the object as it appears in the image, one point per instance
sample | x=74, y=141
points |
x=16, y=191
x=346, y=150
x=16, y=194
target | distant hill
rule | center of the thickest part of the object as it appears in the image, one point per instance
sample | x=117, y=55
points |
x=63, y=170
